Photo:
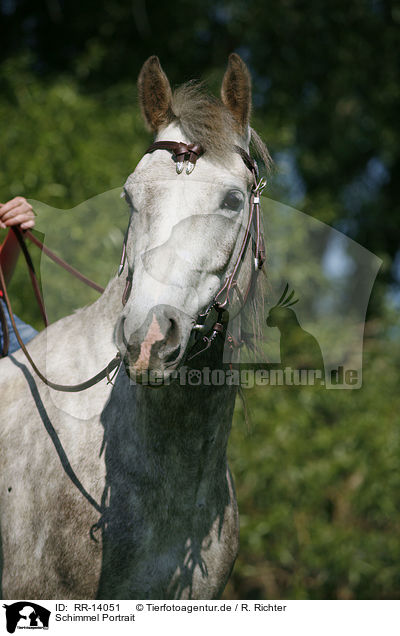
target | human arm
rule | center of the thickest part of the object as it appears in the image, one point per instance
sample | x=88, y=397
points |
x=16, y=212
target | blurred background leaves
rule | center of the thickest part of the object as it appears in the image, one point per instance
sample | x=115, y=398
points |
x=317, y=473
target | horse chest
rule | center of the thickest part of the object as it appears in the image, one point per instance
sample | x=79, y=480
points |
x=180, y=556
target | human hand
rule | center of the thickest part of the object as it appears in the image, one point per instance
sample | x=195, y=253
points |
x=17, y=211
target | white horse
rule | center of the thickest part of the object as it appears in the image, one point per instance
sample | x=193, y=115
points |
x=123, y=491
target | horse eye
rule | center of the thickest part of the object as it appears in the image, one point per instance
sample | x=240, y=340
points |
x=233, y=201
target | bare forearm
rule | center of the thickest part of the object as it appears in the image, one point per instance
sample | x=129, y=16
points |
x=16, y=212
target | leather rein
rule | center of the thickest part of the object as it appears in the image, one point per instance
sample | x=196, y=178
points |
x=105, y=373
x=181, y=153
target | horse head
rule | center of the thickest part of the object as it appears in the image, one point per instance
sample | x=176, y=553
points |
x=189, y=199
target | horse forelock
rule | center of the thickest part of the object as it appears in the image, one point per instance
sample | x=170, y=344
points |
x=206, y=120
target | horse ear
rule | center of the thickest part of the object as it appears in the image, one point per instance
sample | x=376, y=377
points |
x=155, y=96
x=236, y=92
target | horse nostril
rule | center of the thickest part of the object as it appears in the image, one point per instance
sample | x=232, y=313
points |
x=172, y=347
x=172, y=336
x=173, y=355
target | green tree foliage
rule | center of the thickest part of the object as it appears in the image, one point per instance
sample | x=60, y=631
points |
x=318, y=487
x=63, y=147
x=326, y=83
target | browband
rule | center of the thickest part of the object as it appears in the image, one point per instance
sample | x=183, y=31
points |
x=191, y=152
x=181, y=152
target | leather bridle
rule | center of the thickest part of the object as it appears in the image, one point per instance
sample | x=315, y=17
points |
x=181, y=153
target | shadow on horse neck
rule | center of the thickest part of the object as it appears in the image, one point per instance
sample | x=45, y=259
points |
x=166, y=491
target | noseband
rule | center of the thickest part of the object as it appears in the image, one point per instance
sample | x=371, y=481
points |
x=182, y=152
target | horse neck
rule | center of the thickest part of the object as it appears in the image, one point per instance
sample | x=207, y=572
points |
x=170, y=439
x=187, y=424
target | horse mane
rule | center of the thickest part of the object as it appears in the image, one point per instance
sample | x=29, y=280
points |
x=253, y=317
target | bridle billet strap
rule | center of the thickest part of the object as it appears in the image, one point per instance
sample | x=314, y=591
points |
x=249, y=161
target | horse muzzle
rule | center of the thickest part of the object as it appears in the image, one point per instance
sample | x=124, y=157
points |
x=156, y=347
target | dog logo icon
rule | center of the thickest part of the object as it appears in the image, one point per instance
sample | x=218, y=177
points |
x=26, y=615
